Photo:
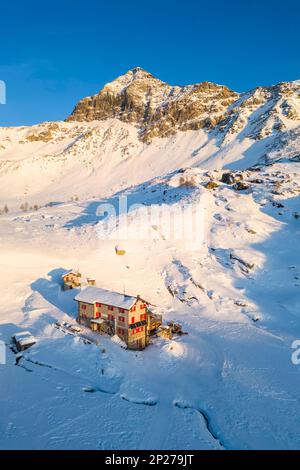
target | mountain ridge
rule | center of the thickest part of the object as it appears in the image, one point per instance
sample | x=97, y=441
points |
x=156, y=107
x=127, y=139
x=160, y=110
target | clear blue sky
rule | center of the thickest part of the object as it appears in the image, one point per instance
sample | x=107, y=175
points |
x=55, y=52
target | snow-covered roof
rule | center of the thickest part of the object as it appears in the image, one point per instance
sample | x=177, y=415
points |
x=27, y=340
x=22, y=334
x=98, y=321
x=72, y=271
x=92, y=294
x=24, y=337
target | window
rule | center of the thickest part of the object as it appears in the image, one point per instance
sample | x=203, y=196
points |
x=122, y=319
x=133, y=332
x=133, y=309
x=137, y=330
x=132, y=319
x=83, y=307
x=98, y=305
x=143, y=316
x=142, y=306
x=98, y=314
x=110, y=317
x=121, y=310
x=142, y=328
x=110, y=307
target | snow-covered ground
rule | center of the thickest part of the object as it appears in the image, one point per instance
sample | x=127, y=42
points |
x=222, y=260
x=100, y=158
x=230, y=383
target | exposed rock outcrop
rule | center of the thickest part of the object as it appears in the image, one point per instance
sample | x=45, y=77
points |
x=160, y=110
x=156, y=107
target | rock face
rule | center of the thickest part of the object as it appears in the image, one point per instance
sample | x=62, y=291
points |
x=228, y=178
x=139, y=127
x=156, y=107
x=160, y=110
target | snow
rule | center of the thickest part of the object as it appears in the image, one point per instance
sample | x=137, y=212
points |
x=99, y=321
x=22, y=334
x=26, y=341
x=70, y=271
x=230, y=382
x=93, y=294
x=24, y=338
x=118, y=341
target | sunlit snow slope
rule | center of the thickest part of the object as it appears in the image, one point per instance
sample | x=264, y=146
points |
x=233, y=284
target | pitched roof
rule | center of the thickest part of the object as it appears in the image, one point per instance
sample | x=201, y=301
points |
x=22, y=334
x=24, y=338
x=92, y=294
x=72, y=271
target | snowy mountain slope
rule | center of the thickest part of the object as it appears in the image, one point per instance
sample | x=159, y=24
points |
x=156, y=107
x=222, y=259
x=229, y=383
x=102, y=148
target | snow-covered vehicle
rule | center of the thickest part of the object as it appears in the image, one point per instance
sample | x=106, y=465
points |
x=23, y=340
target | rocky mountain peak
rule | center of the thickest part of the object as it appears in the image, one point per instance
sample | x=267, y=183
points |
x=133, y=75
x=139, y=72
x=158, y=109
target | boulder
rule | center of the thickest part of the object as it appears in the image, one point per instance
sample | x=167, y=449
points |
x=241, y=186
x=211, y=185
x=228, y=178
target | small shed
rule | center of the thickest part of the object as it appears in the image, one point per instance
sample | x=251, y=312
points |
x=71, y=280
x=23, y=340
x=119, y=251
